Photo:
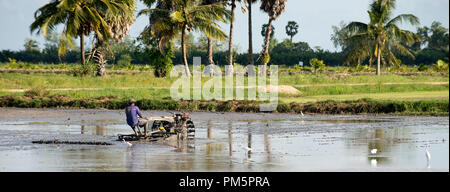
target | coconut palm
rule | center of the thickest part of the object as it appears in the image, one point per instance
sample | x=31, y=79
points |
x=79, y=17
x=381, y=35
x=186, y=16
x=274, y=8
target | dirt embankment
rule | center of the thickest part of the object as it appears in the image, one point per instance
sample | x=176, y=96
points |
x=362, y=106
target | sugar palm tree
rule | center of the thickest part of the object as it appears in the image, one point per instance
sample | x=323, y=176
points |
x=31, y=45
x=248, y=4
x=79, y=17
x=381, y=35
x=186, y=16
x=292, y=29
x=274, y=8
x=119, y=23
x=209, y=38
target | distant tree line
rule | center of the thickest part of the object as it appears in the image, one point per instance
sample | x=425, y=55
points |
x=283, y=53
x=427, y=46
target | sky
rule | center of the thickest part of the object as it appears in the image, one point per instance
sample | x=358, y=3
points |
x=315, y=18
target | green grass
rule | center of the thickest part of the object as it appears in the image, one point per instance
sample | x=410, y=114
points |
x=46, y=80
x=144, y=86
x=400, y=96
x=379, y=88
x=308, y=79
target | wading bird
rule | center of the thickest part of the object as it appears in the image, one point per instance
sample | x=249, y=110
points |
x=128, y=143
x=427, y=154
x=373, y=151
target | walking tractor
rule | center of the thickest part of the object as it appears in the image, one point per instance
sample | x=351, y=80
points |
x=179, y=126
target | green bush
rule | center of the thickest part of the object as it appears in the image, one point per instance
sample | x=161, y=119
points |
x=423, y=68
x=317, y=64
x=124, y=61
x=441, y=66
x=161, y=62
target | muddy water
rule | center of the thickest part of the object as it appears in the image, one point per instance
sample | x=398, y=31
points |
x=278, y=142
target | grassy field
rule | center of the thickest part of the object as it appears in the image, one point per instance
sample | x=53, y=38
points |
x=311, y=87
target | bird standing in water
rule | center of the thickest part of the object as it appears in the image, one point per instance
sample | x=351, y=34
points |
x=428, y=155
x=128, y=143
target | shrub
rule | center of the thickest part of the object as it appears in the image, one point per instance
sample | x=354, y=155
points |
x=423, y=67
x=441, y=66
x=161, y=62
x=317, y=64
x=124, y=61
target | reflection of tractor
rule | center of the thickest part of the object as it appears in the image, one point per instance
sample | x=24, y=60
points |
x=178, y=125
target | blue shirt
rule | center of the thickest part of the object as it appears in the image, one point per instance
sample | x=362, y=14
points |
x=132, y=113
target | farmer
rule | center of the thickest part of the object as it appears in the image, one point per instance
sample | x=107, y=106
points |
x=132, y=113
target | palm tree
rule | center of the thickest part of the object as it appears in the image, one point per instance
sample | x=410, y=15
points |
x=292, y=29
x=248, y=4
x=189, y=15
x=274, y=8
x=79, y=17
x=119, y=23
x=209, y=38
x=231, y=36
x=31, y=45
x=264, y=30
x=381, y=35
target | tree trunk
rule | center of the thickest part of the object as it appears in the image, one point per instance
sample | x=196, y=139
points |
x=183, y=51
x=267, y=40
x=379, y=61
x=250, y=35
x=209, y=68
x=210, y=51
x=230, y=42
x=100, y=59
x=83, y=60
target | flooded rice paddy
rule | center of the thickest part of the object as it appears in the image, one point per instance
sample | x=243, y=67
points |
x=278, y=142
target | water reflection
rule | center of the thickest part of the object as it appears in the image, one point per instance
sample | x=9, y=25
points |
x=230, y=143
x=377, y=147
x=99, y=130
x=267, y=146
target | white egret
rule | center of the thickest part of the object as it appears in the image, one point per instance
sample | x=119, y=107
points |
x=373, y=151
x=245, y=148
x=128, y=143
x=301, y=112
x=428, y=155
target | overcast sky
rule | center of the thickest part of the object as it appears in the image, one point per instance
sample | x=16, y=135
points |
x=314, y=17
